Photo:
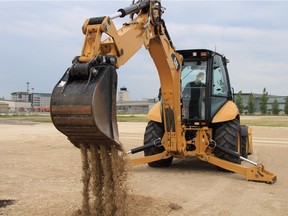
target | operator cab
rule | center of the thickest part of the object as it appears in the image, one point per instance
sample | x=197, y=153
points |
x=205, y=86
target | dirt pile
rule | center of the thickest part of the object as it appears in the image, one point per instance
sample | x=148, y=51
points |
x=104, y=180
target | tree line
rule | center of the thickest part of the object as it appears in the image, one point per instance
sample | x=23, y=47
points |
x=250, y=107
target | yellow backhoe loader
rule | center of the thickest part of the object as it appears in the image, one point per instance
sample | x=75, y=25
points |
x=196, y=115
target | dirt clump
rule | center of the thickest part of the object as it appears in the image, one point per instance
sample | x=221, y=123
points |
x=6, y=202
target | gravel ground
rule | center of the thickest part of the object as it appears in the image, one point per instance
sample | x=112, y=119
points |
x=41, y=175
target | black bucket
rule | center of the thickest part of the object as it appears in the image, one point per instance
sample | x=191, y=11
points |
x=83, y=105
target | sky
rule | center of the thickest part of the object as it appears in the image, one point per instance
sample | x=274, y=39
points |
x=39, y=39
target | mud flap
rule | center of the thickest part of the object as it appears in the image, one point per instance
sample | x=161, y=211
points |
x=83, y=104
x=244, y=137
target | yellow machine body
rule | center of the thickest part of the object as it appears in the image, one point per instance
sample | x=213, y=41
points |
x=83, y=102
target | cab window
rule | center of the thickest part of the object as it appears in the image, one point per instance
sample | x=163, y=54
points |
x=219, y=85
x=193, y=89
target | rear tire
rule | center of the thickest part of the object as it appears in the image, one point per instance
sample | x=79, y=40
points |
x=154, y=131
x=226, y=135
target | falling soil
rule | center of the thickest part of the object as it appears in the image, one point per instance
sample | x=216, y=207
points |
x=104, y=180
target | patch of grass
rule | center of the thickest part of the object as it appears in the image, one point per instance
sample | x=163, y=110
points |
x=253, y=120
x=47, y=119
x=27, y=118
x=40, y=120
x=132, y=118
x=265, y=121
x=10, y=116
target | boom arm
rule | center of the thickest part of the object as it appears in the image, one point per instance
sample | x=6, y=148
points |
x=123, y=44
x=147, y=29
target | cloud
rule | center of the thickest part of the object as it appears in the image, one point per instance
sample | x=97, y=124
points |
x=41, y=38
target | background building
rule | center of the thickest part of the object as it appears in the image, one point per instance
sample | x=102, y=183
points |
x=126, y=106
x=123, y=94
x=28, y=102
x=41, y=101
x=17, y=106
x=281, y=101
x=20, y=96
x=4, y=107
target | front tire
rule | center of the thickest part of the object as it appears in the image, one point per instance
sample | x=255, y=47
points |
x=227, y=136
x=154, y=131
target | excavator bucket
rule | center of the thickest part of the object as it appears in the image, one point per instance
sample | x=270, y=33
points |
x=83, y=105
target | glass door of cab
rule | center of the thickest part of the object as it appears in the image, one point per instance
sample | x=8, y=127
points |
x=193, y=89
